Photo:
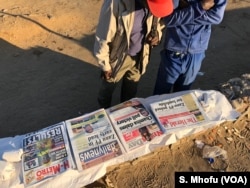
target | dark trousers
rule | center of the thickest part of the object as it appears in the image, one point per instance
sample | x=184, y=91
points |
x=129, y=75
x=128, y=91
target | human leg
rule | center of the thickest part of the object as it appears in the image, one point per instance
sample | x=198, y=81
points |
x=161, y=86
x=191, y=64
x=108, y=86
x=179, y=86
x=105, y=94
x=128, y=89
x=130, y=80
x=168, y=72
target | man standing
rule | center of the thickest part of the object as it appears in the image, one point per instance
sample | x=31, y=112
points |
x=188, y=31
x=124, y=37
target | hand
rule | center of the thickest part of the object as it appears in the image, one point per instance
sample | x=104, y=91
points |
x=183, y=4
x=207, y=4
x=106, y=74
x=153, y=39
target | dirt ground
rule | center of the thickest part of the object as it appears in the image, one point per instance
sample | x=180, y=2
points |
x=49, y=74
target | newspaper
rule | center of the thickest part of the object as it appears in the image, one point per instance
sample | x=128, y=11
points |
x=183, y=111
x=93, y=139
x=46, y=154
x=134, y=123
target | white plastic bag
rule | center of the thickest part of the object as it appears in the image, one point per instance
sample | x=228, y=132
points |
x=213, y=152
x=13, y=155
x=7, y=170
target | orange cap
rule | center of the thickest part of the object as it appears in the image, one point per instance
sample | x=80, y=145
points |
x=160, y=8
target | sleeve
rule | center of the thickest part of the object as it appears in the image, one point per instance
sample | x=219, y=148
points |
x=105, y=31
x=194, y=14
x=214, y=15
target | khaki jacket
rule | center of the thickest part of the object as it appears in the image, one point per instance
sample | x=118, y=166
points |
x=118, y=15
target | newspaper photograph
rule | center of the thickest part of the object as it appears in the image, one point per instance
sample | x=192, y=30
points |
x=93, y=139
x=46, y=154
x=178, y=112
x=134, y=123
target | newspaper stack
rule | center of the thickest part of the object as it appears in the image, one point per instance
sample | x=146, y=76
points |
x=46, y=154
x=93, y=139
x=133, y=123
x=179, y=112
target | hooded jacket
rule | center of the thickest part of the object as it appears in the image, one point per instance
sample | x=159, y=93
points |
x=117, y=16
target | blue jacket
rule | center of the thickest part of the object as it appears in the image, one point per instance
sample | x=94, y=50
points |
x=188, y=29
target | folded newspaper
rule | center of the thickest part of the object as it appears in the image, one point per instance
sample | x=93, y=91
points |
x=179, y=112
x=46, y=154
x=93, y=139
x=134, y=123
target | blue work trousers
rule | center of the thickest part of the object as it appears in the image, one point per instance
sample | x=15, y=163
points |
x=177, y=71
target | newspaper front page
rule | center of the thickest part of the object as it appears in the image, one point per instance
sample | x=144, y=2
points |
x=134, y=123
x=178, y=112
x=93, y=139
x=46, y=154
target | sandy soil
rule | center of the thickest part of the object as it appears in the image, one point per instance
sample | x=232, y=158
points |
x=48, y=74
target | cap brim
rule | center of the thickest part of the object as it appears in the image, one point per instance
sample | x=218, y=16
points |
x=161, y=9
